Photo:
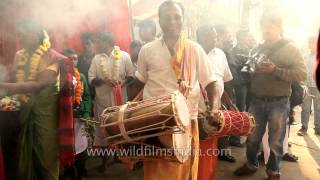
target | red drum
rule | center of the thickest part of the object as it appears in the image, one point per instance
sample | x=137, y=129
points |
x=235, y=123
x=232, y=123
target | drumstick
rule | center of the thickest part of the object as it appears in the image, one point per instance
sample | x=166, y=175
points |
x=87, y=120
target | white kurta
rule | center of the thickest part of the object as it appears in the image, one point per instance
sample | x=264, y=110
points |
x=155, y=70
x=219, y=66
x=104, y=94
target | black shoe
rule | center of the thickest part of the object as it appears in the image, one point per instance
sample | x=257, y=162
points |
x=292, y=120
x=302, y=132
x=290, y=157
x=227, y=158
x=244, y=170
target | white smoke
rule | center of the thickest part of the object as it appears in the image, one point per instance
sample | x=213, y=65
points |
x=67, y=15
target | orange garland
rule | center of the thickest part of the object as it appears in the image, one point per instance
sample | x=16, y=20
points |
x=78, y=89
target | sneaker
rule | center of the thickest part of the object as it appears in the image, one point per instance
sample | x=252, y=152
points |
x=245, y=170
x=302, y=132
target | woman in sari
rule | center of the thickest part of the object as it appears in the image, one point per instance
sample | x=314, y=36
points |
x=36, y=83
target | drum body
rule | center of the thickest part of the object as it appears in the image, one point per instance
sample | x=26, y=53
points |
x=153, y=117
x=233, y=123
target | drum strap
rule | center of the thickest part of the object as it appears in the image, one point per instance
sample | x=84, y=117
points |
x=121, y=123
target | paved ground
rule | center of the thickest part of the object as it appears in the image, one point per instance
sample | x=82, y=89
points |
x=306, y=148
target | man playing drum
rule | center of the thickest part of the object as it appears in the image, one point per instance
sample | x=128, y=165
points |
x=175, y=63
x=207, y=37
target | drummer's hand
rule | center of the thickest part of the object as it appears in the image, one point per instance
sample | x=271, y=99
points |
x=212, y=117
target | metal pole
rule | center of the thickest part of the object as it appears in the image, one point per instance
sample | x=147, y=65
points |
x=131, y=19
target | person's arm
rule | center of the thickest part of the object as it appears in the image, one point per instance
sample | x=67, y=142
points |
x=141, y=74
x=207, y=79
x=46, y=78
x=86, y=97
x=213, y=93
x=93, y=74
x=298, y=69
x=129, y=66
x=129, y=70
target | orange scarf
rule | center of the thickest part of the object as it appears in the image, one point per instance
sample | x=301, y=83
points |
x=182, y=63
x=178, y=59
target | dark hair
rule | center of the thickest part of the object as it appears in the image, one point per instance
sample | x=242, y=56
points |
x=148, y=24
x=242, y=33
x=30, y=25
x=136, y=43
x=106, y=37
x=203, y=29
x=86, y=37
x=169, y=3
x=68, y=52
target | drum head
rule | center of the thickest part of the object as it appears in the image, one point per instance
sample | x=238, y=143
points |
x=182, y=145
x=182, y=114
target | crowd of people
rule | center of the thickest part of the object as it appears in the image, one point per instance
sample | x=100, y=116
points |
x=54, y=89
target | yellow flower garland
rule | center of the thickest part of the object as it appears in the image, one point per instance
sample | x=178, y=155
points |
x=116, y=54
x=35, y=61
x=34, y=64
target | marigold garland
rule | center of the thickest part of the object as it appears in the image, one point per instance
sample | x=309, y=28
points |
x=114, y=75
x=78, y=90
x=34, y=64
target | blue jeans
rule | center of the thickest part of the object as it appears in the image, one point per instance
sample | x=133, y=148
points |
x=241, y=92
x=313, y=95
x=275, y=113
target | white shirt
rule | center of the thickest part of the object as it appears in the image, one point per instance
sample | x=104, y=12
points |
x=104, y=93
x=155, y=70
x=219, y=66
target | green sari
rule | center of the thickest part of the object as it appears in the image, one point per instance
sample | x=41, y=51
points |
x=39, y=146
